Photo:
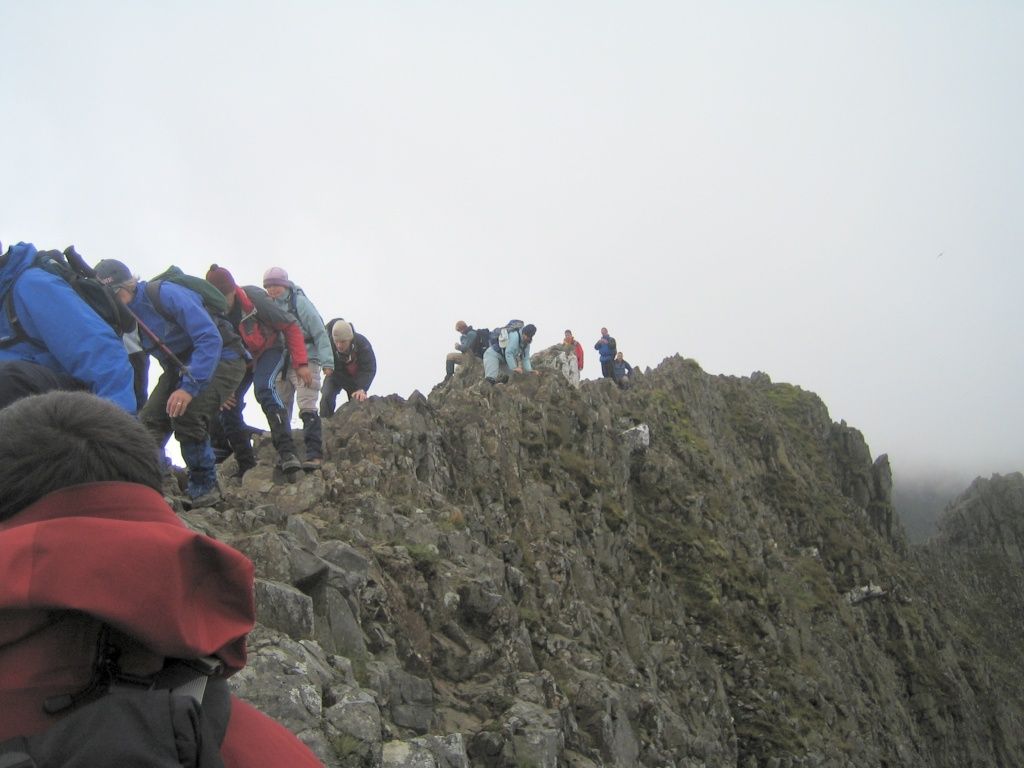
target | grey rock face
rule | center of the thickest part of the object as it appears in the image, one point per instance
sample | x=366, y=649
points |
x=698, y=571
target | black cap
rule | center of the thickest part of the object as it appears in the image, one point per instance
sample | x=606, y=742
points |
x=530, y=330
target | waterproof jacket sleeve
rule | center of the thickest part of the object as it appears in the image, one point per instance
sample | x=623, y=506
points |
x=516, y=355
x=313, y=324
x=579, y=354
x=186, y=307
x=280, y=320
x=77, y=340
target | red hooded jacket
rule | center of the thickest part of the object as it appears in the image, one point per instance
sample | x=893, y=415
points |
x=260, y=323
x=116, y=554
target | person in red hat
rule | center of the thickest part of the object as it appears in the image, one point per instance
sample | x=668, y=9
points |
x=274, y=339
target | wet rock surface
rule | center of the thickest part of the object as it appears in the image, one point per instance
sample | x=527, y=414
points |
x=698, y=571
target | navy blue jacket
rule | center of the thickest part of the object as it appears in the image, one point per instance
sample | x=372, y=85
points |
x=73, y=339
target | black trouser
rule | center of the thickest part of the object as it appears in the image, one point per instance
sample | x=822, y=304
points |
x=20, y=378
x=606, y=369
x=332, y=386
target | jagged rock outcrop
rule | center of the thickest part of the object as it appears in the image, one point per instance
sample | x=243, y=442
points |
x=699, y=571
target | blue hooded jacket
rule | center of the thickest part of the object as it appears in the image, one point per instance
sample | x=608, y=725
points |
x=74, y=340
x=192, y=336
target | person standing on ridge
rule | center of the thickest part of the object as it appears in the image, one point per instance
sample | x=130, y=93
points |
x=273, y=338
x=606, y=348
x=60, y=342
x=355, y=366
x=575, y=347
x=199, y=371
x=290, y=297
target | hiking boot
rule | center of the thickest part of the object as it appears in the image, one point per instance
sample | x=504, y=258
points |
x=239, y=472
x=311, y=464
x=207, y=499
x=290, y=463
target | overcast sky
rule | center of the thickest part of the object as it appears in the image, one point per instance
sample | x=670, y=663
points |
x=830, y=192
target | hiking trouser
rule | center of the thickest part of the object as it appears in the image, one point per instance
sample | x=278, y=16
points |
x=289, y=385
x=193, y=424
x=202, y=466
x=329, y=394
x=263, y=378
x=607, y=369
x=453, y=359
x=20, y=378
x=494, y=362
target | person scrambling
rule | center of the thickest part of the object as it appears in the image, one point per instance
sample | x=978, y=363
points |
x=274, y=340
x=355, y=366
x=199, y=371
x=290, y=297
x=50, y=338
x=509, y=350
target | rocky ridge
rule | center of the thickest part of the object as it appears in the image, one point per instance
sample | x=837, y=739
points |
x=698, y=571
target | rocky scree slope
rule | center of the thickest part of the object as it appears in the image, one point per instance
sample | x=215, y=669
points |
x=699, y=571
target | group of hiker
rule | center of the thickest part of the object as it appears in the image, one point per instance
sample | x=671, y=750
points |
x=506, y=349
x=121, y=659
x=213, y=339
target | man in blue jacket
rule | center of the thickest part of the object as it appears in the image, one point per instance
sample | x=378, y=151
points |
x=64, y=344
x=606, y=349
x=199, y=374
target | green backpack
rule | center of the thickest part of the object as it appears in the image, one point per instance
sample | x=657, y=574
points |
x=213, y=299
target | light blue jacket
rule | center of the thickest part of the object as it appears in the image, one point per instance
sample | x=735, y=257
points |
x=73, y=339
x=514, y=352
x=318, y=343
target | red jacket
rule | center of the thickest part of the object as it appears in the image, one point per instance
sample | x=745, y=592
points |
x=115, y=553
x=260, y=323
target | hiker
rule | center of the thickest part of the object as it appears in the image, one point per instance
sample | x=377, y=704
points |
x=274, y=340
x=621, y=371
x=510, y=346
x=605, y=347
x=200, y=371
x=471, y=342
x=355, y=365
x=104, y=585
x=62, y=343
x=575, y=347
x=290, y=297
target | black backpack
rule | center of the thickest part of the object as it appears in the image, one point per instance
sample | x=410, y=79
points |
x=70, y=267
x=482, y=342
x=169, y=725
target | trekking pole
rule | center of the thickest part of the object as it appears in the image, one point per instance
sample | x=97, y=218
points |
x=164, y=348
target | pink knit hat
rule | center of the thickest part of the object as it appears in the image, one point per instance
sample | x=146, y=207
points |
x=276, y=276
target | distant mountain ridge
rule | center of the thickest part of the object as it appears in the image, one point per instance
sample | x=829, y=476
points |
x=701, y=570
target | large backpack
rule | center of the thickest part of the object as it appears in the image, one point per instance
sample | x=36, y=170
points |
x=499, y=336
x=178, y=721
x=482, y=341
x=213, y=300
x=70, y=267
